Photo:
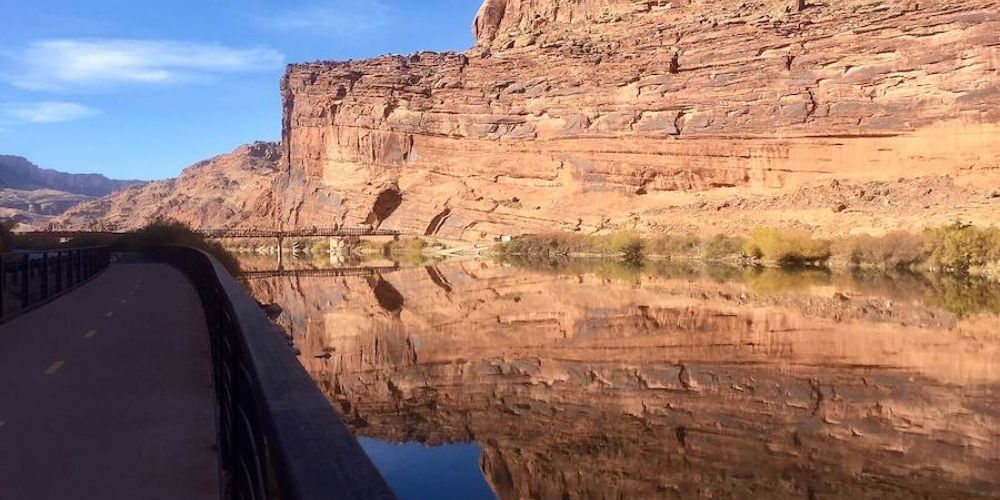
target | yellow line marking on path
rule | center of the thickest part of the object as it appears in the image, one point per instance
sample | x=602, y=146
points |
x=55, y=367
x=90, y=334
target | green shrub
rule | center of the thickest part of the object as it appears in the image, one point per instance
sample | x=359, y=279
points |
x=625, y=244
x=959, y=247
x=897, y=250
x=721, y=246
x=786, y=247
x=171, y=232
x=406, y=246
x=673, y=245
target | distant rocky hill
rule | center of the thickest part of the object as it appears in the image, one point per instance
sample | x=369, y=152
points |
x=19, y=173
x=224, y=191
x=31, y=194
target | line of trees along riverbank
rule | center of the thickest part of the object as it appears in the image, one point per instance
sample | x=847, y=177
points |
x=956, y=248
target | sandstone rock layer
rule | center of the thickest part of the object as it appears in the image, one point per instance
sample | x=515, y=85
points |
x=594, y=114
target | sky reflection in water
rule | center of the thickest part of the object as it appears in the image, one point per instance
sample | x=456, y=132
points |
x=415, y=471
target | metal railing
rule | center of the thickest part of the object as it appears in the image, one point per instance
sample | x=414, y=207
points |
x=279, y=437
x=29, y=279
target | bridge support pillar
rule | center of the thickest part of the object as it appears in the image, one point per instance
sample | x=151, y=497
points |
x=281, y=253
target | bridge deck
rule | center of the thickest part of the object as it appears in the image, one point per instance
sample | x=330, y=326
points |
x=105, y=393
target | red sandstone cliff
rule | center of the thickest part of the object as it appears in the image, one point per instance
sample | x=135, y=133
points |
x=684, y=115
x=220, y=192
x=698, y=115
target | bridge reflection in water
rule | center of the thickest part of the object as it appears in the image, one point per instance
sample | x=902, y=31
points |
x=331, y=272
x=607, y=383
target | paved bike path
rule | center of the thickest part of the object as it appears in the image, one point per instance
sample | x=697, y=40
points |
x=105, y=393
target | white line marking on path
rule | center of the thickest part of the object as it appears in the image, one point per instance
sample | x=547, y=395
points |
x=124, y=301
x=90, y=334
x=55, y=367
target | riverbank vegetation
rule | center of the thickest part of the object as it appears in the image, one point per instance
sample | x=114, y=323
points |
x=170, y=232
x=956, y=248
x=157, y=233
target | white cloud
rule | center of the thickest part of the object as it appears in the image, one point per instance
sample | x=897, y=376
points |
x=95, y=63
x=344, y=18
x=47, y=112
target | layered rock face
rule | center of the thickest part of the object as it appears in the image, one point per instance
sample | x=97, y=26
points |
x=665, y=385
x=32, y=195
x=18, y=173
x=682, y=115
x=225, y=191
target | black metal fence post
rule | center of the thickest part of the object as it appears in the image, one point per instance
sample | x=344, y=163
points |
x=25, y=290
x=59, y=274
x=71, y=269
x=3, y=283
x=36, y=277
x=44, y=276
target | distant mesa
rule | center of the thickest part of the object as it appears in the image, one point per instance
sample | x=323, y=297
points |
x=32, y=195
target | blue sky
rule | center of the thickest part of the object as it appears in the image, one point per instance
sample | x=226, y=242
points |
x=140, y=89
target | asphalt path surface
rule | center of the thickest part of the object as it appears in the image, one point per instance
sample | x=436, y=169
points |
x=105, y=393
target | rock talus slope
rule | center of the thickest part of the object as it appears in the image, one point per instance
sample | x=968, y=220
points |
x=682, y=115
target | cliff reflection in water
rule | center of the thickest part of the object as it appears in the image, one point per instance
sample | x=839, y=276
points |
x=607, y=382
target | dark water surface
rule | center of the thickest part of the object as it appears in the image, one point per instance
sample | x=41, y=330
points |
x=594, y=380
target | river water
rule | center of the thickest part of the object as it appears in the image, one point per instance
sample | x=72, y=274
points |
x=595, y=380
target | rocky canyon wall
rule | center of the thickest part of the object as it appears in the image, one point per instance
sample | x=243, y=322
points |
x=682, y=115
x=226, y=191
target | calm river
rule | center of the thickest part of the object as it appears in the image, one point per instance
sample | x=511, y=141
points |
x=593, y=380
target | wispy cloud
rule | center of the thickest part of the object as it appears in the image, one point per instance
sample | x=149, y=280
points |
x=95, y=63
x=45, y=112
x=336, y=18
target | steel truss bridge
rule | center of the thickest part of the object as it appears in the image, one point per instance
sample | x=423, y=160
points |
x=219, y=234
